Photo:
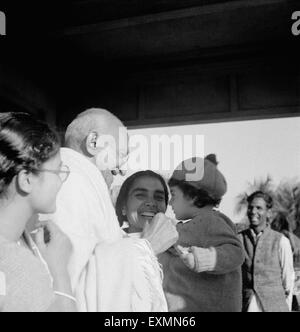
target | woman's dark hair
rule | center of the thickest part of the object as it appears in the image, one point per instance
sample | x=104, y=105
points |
x=201, y=196
x=25, y=144
x=126, y=186
x=259, y=194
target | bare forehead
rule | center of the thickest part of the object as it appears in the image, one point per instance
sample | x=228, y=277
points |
x=147, y=183
x=107, y=124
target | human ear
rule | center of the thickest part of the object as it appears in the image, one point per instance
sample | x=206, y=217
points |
x=270, y=215
x=124, y=212
x=25, y=181
x=91, y=143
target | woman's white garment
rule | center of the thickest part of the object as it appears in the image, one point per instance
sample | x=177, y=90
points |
x=108, y=272
x=288, y=276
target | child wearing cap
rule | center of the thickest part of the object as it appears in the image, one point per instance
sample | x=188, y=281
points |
x=204, y=272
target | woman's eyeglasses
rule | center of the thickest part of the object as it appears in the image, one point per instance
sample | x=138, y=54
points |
x=63, y=173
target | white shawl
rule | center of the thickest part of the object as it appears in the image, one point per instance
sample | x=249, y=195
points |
x=108, y=272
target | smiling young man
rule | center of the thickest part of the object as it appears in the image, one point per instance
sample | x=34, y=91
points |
x=268, y=273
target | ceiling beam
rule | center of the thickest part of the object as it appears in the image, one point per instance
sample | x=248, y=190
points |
x=170, y=15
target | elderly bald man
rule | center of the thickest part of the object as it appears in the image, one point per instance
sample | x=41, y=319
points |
x=97, y=133
x=109, y=272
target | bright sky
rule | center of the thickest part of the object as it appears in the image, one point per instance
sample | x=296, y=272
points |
x=245, y=150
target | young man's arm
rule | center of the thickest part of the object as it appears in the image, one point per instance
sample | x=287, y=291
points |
x=2, y=289
x=287, y=268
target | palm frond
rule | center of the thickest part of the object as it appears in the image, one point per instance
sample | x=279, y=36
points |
x=287, y=202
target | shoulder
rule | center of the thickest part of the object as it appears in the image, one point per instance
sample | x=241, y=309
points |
x=285, y=243
x=9, y=251
x=20, y=265
x=204, y=217
x=277, y=235
x=219, y=229
x=226, y=220
x=244, y=232
x=18, y=262
x=12, y=254
x=26, y=279
x=219, y=221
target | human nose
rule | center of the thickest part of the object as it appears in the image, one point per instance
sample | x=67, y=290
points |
x=254, y=210
x=150, y=203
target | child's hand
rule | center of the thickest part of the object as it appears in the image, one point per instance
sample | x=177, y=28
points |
x=161, y=233
x=186, y=256
x=198, y=259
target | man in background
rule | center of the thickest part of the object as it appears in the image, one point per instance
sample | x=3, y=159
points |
x=268, y=272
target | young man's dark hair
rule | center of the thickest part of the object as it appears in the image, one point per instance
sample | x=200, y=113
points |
x=268, y=267
x=260, y=194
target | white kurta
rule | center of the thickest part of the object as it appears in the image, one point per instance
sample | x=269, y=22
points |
x=103, y=263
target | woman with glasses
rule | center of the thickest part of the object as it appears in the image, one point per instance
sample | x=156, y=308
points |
x=33, y=274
